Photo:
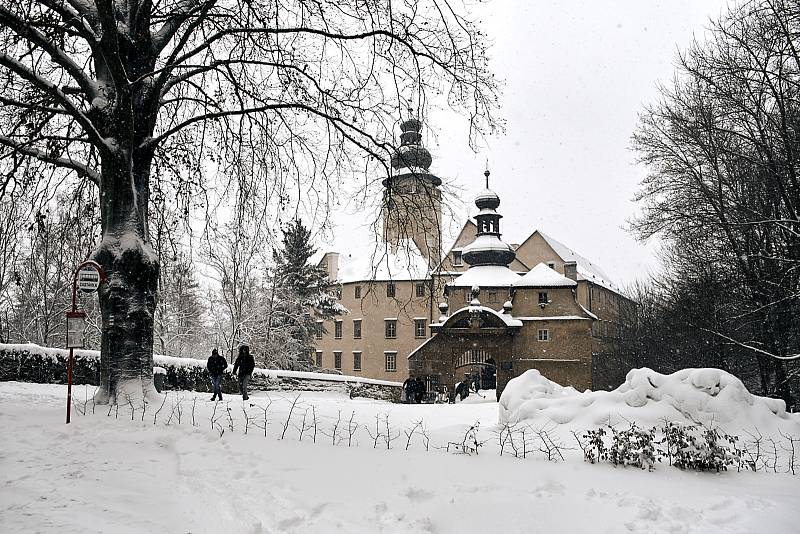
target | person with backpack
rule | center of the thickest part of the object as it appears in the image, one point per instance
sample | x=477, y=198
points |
x=216, y=366
x=244, y=364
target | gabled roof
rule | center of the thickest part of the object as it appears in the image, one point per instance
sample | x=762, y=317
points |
x=544, y=276
x=587, y=270
x=382, y=262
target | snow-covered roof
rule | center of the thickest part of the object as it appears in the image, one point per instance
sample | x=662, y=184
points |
x=586, y=269
x=506, y=318
x=486, y=242
x=383, y=262
x=486, y=276
x=544, y=276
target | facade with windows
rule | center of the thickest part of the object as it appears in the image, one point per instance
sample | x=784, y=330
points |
x=394, y=290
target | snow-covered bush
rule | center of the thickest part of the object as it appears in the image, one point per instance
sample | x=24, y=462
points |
x=594, y=449
x=699, y=448
x=634, y=446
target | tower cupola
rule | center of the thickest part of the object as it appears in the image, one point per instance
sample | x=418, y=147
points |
x=411, y=196
x=488, y=248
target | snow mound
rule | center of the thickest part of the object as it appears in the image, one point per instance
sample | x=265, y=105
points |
x=709, y=396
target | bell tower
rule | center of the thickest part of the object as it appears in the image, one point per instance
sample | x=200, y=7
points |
x=412, y=198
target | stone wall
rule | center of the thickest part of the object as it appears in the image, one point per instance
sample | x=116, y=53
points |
x=31, y=363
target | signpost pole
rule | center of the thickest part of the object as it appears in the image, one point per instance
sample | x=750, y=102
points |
x=89, y=285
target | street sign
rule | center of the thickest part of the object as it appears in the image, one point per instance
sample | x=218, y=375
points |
x=88, y=278
x=76, y=327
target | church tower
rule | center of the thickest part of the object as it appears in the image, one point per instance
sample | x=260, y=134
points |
x=412, y=199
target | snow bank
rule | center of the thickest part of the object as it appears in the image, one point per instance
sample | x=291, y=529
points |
x=709, y=396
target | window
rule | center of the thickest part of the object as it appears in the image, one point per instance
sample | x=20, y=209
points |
x=357, y=292
x=420, y=290
x=467, y=296
x=318, y=358
x=337, y=360
x=543, y=297
x=356, y=328
x=492, y=297
x=419, y=327
x=544, y=334
x=337, y=329
x=391, y=328
x=390, y=289
x=457, y=258
x=319, y=330
x=552, y=265
x=391, y=361
x=356, y=361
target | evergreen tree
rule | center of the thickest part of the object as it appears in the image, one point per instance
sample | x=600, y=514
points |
x=301, y=295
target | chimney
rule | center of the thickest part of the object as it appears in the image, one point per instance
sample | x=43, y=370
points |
x=332, y=265
x=571, y=270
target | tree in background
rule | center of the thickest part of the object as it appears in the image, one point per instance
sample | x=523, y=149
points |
x=301, y=294
x=723, y=149
x=123, y=94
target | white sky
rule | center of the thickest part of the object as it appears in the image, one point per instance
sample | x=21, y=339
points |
x=576, y=75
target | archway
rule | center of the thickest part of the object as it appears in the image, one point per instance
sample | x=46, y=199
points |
x=478, y=365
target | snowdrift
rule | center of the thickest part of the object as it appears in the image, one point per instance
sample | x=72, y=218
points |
x=709, y=396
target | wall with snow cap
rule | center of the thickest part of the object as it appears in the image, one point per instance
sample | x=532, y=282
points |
x=33, y=363
x=648, y=398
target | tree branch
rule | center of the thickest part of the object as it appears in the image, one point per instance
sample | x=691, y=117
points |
x=50, y=88
x=749, y=347
x=80, y=168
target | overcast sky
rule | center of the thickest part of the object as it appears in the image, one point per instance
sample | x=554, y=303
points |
x=576, y=75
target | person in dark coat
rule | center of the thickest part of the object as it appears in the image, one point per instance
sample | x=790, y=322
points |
x=216, y=366
x=408, y=391
x=419, y=391
x=244, y=364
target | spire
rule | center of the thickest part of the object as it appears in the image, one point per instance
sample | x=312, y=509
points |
x=488, y=248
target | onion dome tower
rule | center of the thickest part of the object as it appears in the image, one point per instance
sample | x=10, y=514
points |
x=488, y=248
x=412, y=199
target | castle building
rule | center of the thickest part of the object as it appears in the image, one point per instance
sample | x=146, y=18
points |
x=481, y=308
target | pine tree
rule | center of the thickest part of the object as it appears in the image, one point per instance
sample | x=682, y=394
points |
x=302, y=294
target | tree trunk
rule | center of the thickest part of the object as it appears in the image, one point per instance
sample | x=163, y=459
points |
x=128, y=295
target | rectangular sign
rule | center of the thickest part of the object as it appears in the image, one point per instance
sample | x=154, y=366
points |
x=76, y=327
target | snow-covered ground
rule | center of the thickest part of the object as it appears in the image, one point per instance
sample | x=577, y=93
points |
x=107, y=473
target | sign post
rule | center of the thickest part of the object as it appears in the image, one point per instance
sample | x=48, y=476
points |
x=87, y=278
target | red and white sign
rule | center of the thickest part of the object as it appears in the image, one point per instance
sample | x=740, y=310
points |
x=88, y=278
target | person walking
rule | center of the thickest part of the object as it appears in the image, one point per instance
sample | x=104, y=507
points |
x=216, y=366
x=244, y=364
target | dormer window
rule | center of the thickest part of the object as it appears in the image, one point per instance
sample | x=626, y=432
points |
x=543, y=297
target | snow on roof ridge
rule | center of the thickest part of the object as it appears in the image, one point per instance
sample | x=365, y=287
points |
x=399, y=262
x=544, y=276
x=486, y=276
x=585, y=267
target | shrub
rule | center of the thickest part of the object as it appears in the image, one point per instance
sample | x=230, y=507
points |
x=634, y=446
x=699, y=448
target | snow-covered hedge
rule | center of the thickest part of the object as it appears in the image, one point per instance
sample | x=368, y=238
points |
x=33, y=363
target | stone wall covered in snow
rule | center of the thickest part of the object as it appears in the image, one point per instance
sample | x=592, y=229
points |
x=32, y=363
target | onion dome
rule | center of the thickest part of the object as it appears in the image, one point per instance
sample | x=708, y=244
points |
x=411, y=157
x=411, y=153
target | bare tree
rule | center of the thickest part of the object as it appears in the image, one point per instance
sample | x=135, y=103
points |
x=722, y=146
x=128, y=93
